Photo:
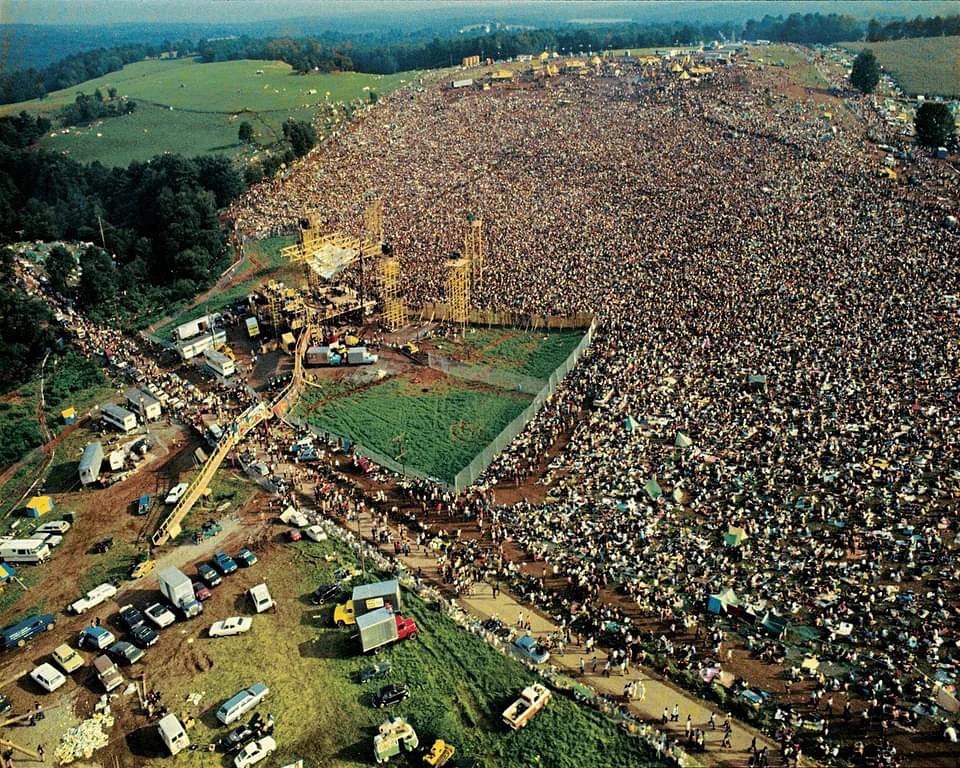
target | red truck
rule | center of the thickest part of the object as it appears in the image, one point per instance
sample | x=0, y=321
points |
x=382, y=627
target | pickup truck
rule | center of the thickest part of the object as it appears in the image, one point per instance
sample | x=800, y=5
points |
x=108, y=673
x=532, y=699
x=93, y=598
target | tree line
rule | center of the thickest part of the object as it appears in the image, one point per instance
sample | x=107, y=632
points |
x=387, y=54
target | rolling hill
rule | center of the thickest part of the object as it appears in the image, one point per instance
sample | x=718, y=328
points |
x=921, y=65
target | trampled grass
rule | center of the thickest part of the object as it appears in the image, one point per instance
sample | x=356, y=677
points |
x=921, y=65
x=193, y=108
x=531, y=353
x=459, y=685
x=437, y=427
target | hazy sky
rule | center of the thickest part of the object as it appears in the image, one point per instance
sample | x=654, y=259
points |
x=98, y=12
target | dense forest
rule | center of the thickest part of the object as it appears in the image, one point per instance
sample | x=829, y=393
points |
x=389, y=53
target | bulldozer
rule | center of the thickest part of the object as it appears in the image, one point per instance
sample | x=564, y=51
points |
x=439, y=754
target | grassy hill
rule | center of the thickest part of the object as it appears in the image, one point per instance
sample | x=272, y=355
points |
x=922, y=65
x=194, y=108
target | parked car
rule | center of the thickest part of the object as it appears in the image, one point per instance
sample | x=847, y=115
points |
x=144, y=635
x=159, y=615
x=325, y=592
x=246, y=558
x=125, y=653
x=209, y=575
x=48, y=677
x=530, y=648
x=254, y=752
x=67, y=658
x=242, y=702
x=5, y=705
x=54, y=526
x=345, y=574
x=225, y=564
x=176, y=493
x=236, y=625
x=96, y=638
x=315, y=533
x=130, y=617
x=102, y=546
x=390, y=694
x=201, y=591
x=294, y=534
x=255, y=728
x=373, y=672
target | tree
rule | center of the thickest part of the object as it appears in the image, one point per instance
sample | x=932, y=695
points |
x=112, y=92
x=60, y=266
x=301, y=136
x=98, y=281
x=933, y=124
x=866, y=72
x=372, y=96
x=245, y=133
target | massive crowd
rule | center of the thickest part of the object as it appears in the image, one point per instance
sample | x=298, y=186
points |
x=777, y=326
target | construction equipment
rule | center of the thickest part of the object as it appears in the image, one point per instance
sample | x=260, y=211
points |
x=439, y=754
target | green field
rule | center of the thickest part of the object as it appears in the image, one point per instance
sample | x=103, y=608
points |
x=923, y=65
x=439, y=427
x=193, y=108
x=264, y=254
x=459, y=685
x=530, y=353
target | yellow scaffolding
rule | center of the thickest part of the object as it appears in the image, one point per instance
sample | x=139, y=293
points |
x=473, y=251
x=394, y=307
x=371, y=243
x=458, y=289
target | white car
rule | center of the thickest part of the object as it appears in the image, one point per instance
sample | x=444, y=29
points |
x=93, y=598
x=316, y=533
x=176, y=493
x=235, y=625
x=48, y=677
x=254, y=752
x=54, y=526
x=159, y=615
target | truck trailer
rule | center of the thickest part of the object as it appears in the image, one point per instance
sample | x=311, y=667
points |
x=219, y=363
x=118, y=417
x=382, y=627
x=90, y=463
x=178, y=589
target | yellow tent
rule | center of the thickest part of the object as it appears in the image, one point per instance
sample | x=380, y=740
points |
x=684, y=76
x=39, y=505
x=595, y=61
x=69, y=415
x=544, y=56
x=676, y=68
x=502, y=74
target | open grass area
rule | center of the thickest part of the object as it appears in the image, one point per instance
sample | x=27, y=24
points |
x=531, y=353
x=263, y=253
x=459, y=685
x=921, y=65
x=437, y=427
x=193, y=108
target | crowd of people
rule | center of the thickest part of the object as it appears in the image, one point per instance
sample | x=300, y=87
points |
x=777, y=332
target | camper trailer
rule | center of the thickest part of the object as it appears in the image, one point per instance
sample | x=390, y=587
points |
x=219, y=363
x=143, y=403
x=118, y=417
x=90, y=463
x=24, y=551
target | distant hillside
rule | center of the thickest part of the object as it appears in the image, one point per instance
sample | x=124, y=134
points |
x=922, y=65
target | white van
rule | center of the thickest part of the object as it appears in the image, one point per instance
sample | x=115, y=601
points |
x=173, y=734
x=260, y=596
x=176, y=493
x=237, y=706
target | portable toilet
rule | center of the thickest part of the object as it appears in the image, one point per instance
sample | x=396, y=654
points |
x=69, y=415
x=39, y=506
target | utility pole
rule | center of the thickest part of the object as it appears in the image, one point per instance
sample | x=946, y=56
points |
x=103, y=240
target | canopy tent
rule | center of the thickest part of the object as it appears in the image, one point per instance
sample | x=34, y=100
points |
x=69, y=415
x=722, y=601
x=653, y=489
x=39, y=505
x=774, y=624
x=682, y=441
x=734, y=537
x=630, y=424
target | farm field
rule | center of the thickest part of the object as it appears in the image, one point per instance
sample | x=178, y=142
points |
x=439, y=423
x=921, y=65
x=193, y=108
x=459, y=685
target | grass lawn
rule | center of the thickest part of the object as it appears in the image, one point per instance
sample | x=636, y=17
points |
x=444, y=423
x=266, y=253
x=531, y=353
x=459, y=685
x=921, y=65
x=193, y=108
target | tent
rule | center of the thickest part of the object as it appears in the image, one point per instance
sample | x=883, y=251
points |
x=774, y=624
x=39, y=506
x=7, y=573
x=721, y=602
x=69, y=415
x=682, y=441
x=734, y=536
x=630, y=424
x=653, y=489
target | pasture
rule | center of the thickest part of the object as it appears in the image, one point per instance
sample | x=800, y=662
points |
x=193, y=108
x=925, y=65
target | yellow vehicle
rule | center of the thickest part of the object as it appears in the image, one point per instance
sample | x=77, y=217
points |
x=143, y=568
x=439, y=754
x=410, y=348
x=343, y=615
x=67, y=659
